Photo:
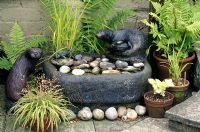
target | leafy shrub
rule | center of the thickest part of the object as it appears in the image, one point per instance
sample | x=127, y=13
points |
x=16, y=46
x=177, y=27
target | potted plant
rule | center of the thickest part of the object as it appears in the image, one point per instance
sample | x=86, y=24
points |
x=42, y=108
x=158, y=100
x=177, y=22
x=179, y=84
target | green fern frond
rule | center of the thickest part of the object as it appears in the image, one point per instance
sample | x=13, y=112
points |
x=16, y=35
x=17, y=46
x=5, y=63
x=194, y=28
x=36, y=41
x=156, y=6
x=119, y=18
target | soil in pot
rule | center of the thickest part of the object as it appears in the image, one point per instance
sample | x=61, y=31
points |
x=163, y=71
x=157, y=105
x=179, y=91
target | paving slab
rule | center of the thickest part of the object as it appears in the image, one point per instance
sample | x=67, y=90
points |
x=114, y=126
x=80, y=126
x=182, y=127
x=10, y=123
x=150, y=125
x=187, y=112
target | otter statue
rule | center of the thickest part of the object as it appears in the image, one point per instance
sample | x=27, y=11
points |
x=17, y=78
x=127, y=44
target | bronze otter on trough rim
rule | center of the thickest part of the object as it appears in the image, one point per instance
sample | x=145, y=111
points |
x=126, y=44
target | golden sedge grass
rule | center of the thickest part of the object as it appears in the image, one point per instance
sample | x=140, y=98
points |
x=39, y=104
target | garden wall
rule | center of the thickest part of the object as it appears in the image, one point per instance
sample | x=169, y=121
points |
x=30, y=16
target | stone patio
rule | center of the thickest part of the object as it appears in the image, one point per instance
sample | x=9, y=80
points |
x=183, y=117
x=142, y=124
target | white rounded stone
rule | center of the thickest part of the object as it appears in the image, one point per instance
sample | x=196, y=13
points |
x=111, y=72
x=94, y=64
x=111, y=113
x=96, y=70
x=86, y=108
x=98, y=114
x=138, y=65
x=130, y=69
x=83, y=66
x=131, y=114
x=78, y=72
x=85, y=114
x=105, y=60
x=71, y=115
x=64, y=69
x=121, y=111
x=141, y=110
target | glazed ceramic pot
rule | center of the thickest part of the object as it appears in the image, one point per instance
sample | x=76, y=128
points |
x=179, y=92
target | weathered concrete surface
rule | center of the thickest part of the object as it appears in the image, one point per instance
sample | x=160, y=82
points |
x=182, y=127
x=186, y=113
x=9, y=125
x=114, y=126
x=150, y=125
x=142, y=124
x=82, y=126
x=141, y=8
x=30, y=15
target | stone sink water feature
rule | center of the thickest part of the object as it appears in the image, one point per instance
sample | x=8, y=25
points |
x=101, y=89
x=113, y=87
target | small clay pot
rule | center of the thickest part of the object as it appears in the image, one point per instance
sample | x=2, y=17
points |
x=162, y=65
x=47, y=127
x=179, y=92
x=156, y=109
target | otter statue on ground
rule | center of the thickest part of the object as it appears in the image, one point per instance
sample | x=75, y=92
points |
x=17, y=78
x=127, y=45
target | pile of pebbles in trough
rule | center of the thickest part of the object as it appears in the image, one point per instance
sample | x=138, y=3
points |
x=86, y=64
x=123, y=113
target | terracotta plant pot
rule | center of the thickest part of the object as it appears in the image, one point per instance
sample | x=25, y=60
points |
x=47, y=127
x=179, y=92
x=156, y=109
x=163, y=71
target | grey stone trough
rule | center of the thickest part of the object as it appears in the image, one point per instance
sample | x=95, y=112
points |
x=102, y=90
